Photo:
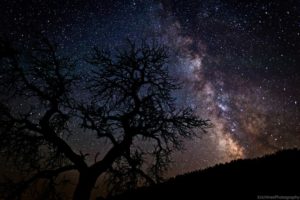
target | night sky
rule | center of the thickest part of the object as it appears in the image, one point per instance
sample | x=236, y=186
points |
x=238, y=61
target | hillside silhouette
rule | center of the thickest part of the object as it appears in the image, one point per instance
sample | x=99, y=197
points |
x=273, y=176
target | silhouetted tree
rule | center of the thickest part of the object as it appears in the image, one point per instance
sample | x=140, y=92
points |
x=130, y=103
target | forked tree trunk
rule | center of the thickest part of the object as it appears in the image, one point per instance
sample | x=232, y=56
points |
x=88, y=177
x=85, y=186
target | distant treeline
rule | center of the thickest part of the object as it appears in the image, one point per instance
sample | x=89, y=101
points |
x=273, y=176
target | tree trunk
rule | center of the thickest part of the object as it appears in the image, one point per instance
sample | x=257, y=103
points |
x=85, y=186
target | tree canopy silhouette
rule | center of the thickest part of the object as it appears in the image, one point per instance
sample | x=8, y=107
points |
x=128, y=102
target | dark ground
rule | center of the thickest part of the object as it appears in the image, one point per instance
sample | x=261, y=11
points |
x=274, y=176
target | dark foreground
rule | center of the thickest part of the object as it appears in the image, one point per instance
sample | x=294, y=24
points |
x=274, y=176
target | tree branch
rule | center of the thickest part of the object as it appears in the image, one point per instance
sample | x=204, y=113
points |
x=47, y=174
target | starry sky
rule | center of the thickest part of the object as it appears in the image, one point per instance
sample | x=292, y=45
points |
x=238, y=61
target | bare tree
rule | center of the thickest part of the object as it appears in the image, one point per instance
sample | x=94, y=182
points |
x=131, y=104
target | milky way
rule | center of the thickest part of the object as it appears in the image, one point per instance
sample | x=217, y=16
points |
x=234, y=84
x=238, y=62
x=251, y=110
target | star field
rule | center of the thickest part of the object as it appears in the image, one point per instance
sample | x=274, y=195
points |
x=238, y=61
